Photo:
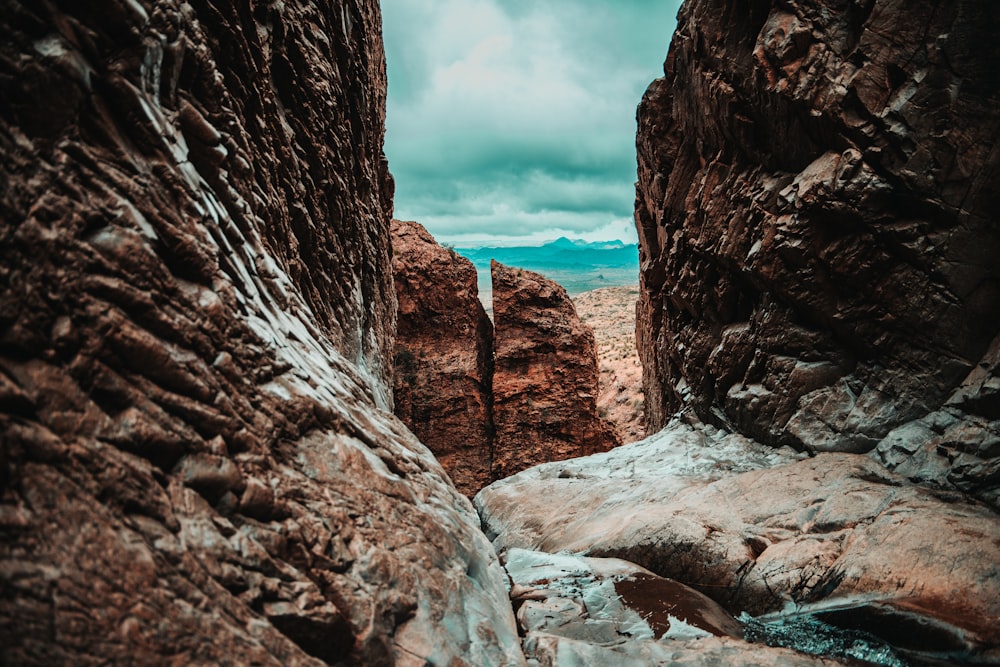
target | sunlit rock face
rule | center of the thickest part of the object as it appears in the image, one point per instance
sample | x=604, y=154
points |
x=545, y=375
x=817, y=211
x=444, y=355
x=195, y=347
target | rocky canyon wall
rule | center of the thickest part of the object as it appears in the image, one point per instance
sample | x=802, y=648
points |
x=444, y=355
x=545, y=378
x=196, y=317
x=490, y=402
x=817, y=211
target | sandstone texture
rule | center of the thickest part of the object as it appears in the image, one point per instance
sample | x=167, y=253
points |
x=540, y=403
x=444, y=355
x=714, y=511
x=817, y=211
x=545, y=377
x=197, y=465
x=610, y=313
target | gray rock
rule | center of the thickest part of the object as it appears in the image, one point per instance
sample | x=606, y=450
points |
x=836, y=527
x=604, y=611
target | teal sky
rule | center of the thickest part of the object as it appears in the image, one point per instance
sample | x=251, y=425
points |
x=513, y=121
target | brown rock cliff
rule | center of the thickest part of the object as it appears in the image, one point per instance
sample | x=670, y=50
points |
x=444, y=355
x=545, y=377
x=196, y=313
x=817, y=212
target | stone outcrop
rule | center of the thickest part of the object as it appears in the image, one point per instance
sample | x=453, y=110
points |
x=545, y=375
x=834, y=534
x=604, y=611
x=444, y=355
x=539, y=405
x=816, y=208
x=196, y=317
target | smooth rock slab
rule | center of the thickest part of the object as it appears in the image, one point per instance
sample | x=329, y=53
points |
x=552, y=651
x=837, y=525
x=575, y=610
x=586, y=501
x=607, y=600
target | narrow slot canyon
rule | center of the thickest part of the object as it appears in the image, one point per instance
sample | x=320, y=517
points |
x=251, y=416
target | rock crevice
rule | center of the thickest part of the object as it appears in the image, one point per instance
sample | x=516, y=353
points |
x=490, y=400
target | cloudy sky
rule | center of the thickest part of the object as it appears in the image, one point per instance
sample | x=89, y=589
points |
x=513, y=121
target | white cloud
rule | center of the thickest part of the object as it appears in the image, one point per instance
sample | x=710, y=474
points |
x=511, y=118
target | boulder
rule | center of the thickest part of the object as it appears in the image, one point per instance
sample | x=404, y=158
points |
x=545, y=378
x=444, y=355
x=574, y=610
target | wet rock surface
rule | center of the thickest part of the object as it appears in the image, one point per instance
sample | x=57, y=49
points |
x=444, y=355
x=761, y=537
x=574, y=610
x=197, y=464
x=606, y=600
x=816, y=209
x=545, y=378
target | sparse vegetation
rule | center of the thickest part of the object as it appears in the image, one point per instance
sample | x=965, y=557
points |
x=610, y=312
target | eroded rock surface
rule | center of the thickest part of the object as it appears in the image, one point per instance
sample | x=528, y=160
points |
x=545, y=375
x=196, y=314
x=444, y=355
x=758, y=537
x=606, y=600
x=816, y=208
x=574, y=610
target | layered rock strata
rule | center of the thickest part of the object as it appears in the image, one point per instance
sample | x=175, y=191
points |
x=444, y=355
x=545, y=375
x=816, y=208
x=196, y=313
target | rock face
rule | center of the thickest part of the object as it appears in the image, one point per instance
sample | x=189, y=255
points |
x=196, y=314
x=545, y=375
x=444, y=355
x=816, y=208
x=835, y=532
x=540, y=403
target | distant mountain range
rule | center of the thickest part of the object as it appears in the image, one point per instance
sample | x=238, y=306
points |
x=579, y=266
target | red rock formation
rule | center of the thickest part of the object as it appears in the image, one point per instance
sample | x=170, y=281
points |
x=196, y=313
x=816, y=208
x=444, y=355
x=545, y=377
